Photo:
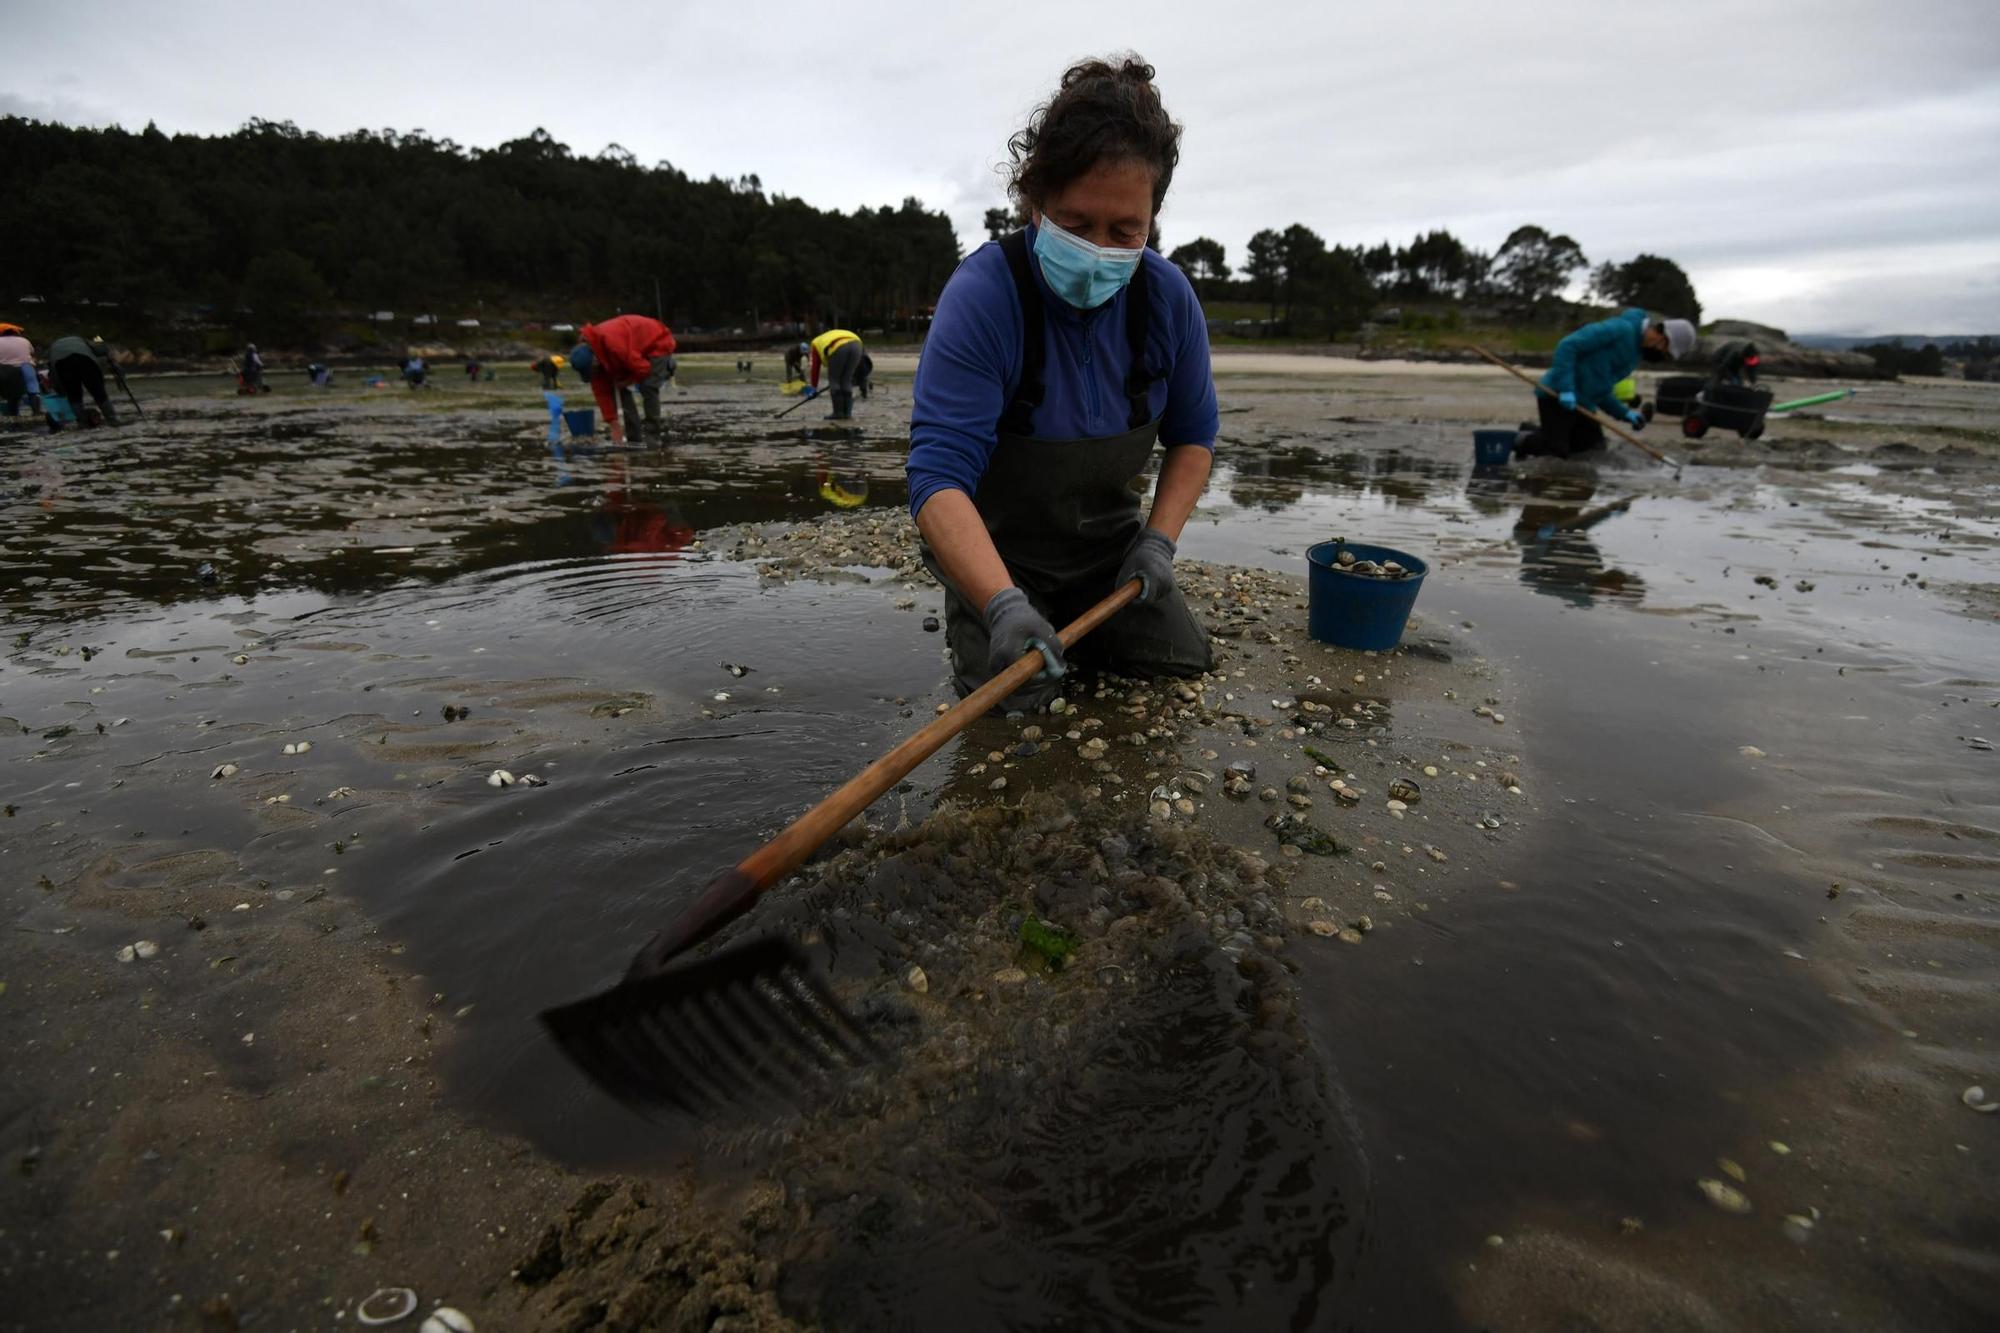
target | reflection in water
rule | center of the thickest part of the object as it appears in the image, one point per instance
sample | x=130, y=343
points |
x=843, y=476
x=625, y=524
x=358, y=498
x=1277, y=479
x=1557, y=555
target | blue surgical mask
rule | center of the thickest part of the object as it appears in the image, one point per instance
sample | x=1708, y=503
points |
x=1084, y=275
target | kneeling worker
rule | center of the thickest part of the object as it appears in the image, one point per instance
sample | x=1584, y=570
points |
x=841, y=353
x=1060, y=356
x=631, y=351
x=1585, y=371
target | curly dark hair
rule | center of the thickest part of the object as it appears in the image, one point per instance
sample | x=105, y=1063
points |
x=1102, y=112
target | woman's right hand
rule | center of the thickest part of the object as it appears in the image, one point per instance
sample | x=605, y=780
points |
x=1013, y=627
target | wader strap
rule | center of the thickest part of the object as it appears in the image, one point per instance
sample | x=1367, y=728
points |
x=1018, y=419
x=1138, y=313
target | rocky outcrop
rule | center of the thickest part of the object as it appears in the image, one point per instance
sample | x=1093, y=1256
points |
x=1782, y=356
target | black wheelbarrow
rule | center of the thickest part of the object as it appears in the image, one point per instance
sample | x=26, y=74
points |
x=1726, y=407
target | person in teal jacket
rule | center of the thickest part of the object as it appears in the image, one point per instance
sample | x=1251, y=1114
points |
x=1584, y=373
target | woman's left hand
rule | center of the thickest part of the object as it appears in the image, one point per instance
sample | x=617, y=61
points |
x=1150, y=559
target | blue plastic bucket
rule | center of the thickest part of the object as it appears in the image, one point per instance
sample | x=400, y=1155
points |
x=1492, y=448
x=582, y=421
x=1357, y=610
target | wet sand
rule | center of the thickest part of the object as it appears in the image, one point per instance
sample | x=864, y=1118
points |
x=1668, y=951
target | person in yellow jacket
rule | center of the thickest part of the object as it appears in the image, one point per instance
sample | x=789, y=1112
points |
x=841, y=352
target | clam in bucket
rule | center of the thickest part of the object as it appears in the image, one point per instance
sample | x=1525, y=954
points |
x=1492, y=448
x=1364, y=611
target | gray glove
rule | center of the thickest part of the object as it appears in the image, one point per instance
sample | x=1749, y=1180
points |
x=1013, y=626
x=1150, y=559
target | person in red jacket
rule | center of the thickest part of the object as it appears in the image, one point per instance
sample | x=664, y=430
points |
x=620, y=354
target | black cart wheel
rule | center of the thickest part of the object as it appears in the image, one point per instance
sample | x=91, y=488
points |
x=1693, y=426
x=1754, y=432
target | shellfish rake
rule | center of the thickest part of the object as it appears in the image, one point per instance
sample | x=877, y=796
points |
x=755, y=1020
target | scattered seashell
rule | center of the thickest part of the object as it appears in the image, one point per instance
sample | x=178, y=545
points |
x=737, y=671
x=916, y=980
x=1732, y=1169
x=444, y=1319
x=1975, y=1097
x=241, y=659
x=1430, y=770
x=1798, y=1228
x=224, y=771
x=1405, y=790
x=1396, y=807
x=340, y=793
x=1324, y=928
x=126, y=954
x=1749, y=752
x=534, y=780
x=1726, y=1197
x=1009, y=976
x=146, y=949
x=722, y=696
x=499, y=777
x=1058, y=705
x=386, y=1306
x=1781, y=1149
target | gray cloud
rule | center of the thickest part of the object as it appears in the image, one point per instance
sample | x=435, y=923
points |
x=1810, y=163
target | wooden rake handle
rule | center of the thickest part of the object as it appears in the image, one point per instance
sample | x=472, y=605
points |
x=733, y=891
x=1592, y=413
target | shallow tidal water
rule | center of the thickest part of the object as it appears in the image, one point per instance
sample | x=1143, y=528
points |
x=1655, y=977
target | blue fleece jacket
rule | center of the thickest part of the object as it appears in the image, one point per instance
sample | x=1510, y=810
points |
x=1591, y=361
x=971, y=369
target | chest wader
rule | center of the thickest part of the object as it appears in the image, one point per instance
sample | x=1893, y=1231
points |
x=1062, y=513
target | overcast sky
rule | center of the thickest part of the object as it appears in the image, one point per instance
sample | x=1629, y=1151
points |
x=1831, y=166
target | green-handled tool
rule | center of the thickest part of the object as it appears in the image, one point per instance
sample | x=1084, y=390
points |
x=1813, y=401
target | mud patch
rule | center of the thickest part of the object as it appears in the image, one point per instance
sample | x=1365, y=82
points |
x=1145, y=1136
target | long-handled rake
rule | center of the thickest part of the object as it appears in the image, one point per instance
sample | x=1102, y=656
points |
x=755, y=1019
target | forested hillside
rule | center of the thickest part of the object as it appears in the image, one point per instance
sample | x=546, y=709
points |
x=294, y=226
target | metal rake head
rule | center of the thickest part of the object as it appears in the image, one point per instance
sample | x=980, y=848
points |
x=748, y=1024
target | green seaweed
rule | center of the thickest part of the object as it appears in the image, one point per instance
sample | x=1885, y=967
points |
x=1051, y=944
